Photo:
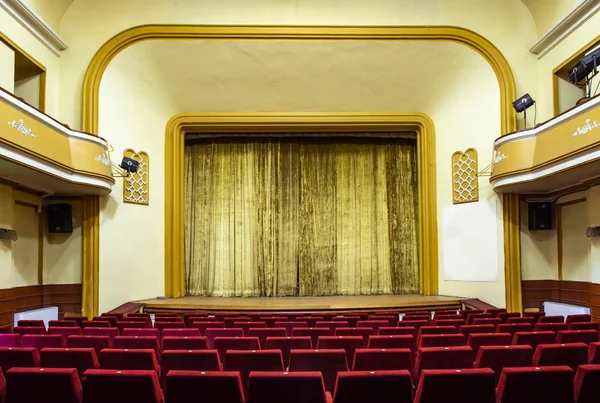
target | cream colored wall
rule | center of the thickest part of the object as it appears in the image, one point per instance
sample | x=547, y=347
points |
x=575, y=244
x=547, y=13
x=539, y=253
x=20, y=36
x=25, y=249
x=6, y=247
x=63, y=253
x=51, y=11
x=7, y=67
x=29, y=90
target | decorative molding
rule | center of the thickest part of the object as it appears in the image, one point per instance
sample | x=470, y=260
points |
x=563, y=28
x=136, y=185
x=35, y=25
x=465, y=184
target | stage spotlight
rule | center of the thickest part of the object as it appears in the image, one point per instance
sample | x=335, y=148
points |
x=130, y=165
x=587, y=65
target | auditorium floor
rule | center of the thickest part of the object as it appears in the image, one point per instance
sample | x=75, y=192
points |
x=303, y=303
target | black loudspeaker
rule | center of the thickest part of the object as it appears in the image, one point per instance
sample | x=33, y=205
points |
x=540, y=216
x=60, y=220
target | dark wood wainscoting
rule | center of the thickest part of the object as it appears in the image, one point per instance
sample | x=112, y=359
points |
x=535, y=292
x=13, y=300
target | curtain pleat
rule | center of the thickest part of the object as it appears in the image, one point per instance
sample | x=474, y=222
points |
x=284, y=217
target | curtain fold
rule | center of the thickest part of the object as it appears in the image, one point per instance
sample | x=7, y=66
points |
x=310, y=217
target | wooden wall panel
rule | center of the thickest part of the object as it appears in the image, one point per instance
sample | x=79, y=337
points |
x=535, y=292
x=13, y=300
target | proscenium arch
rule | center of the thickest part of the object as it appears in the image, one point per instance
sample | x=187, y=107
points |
x=102, y=58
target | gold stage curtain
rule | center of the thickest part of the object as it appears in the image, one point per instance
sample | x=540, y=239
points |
x=302, y=216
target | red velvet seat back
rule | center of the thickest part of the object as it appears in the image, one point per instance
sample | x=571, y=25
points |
x=189, y=360
x=552, y=319
x=536, y=384
x=131, y=324
x=449, y=322
x=311, y=321
x=587, y=379
x=526, y=319
x=121, y=359
x=95, y=323
x=202, y=326
x=262, y=334
x=373, y=324
x=331, y=325
x=392, y=319
x=329, y=362
x=18, y=357
x=487, y=321
x=222, y=344
x=24, y=330
x=230, y=320
x=534, y=338
x=286, y=344
x=436, y=330
x=505, y=315
x=81, y=359
x=96, y=342
x=270, y=320
x=452, y=316
x=576, y=336
x=65, y=331
x=594, y=353
x=456, y=386
x=348, y=343
x=571, y=355
x=351, y=319
x=212, y=334
x=111, y=332
x=62, y=323
x=391, y=331
x=363, y=332
x=223, y=387
x=468, y=329
x=30, y=323
x=36, y=385
x=126, y=386
x=441, y=340
x=513, y=328
x=40, y=341
x=313, y=332
x=146, y=332
x=383, y=359
x=113, y=320
x=578, y=318
x=417, y=324
x=392, y=341
x=189, y=320
x=442, y=358
x=373, y=387
x=583, y=326
x=495, y=311
x=77, y=319
x=168, y=325
x=184, y=343
x=477, y=340
x=553, y=327
x=292, y=387
x=407, y=318
x=10, y=340
x=472, y=316
x=245, y=362
x=180, y=333
x=291, y=325
x=139, y=343
x=499, y=357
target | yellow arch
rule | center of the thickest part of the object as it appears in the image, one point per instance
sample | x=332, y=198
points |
x=116, y=44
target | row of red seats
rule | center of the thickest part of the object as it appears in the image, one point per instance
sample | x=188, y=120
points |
x=528, y=384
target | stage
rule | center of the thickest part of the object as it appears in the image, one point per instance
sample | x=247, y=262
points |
x=335, y=303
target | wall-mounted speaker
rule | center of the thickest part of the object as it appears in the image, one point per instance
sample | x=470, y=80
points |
x=60, y=220
x=540, y=216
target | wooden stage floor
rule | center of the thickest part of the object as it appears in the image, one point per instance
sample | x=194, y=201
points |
x=301, y=303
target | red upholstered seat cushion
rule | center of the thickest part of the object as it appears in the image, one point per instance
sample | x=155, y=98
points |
x=363, y=332
x=121, y=386
x=18, y=357
x=225, y=387
x=536, y=384
x=587, y=379
x=477, y=340
x=180, y=333
x=81, y=359
x=575, y=336
x=383, y=359
x=98, y=343
x=184, y=343
x=288, y=387
x=28, y=385
x=442, y=340
x=570, y=354
x=373, y=387
x=112, y=358
x=456, y=386
x=392, y=341
x=111, y=332
x=499, y=357
x=442, y=358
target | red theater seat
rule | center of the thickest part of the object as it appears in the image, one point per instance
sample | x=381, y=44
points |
x=230, y=320
x=383, y=359
x=245, y=326
x=168, y=319
x=96, y=342
x=392, y=341
x=487, y=321
x=113, y=320
x=286, y=344
x=40, y=341
x=576, y=336
x=583, y=326
x=145, y=332
x=441, y=340
x=270, y=320
x=363, y=332
x=313, y=332
x=212, y=334
x=81, y=359
x=62, y=323
x=553, y=327
x=351, y=319
x=128, y=386
x=130, y=324
x=111, y=332
x=513, y=328
x=24, y=330
x=436, y=330
x=246, y=362
x=291, y=325
x=526, y=319
x=10, y=340
x=180, y=333
x=416, y=324
x=332, y=325
x=587, y=379
x=373, y=324
x=373, y=387
x=288, y=387
x=442, y=358
x=222, y=344
x=65, y=331
x=499, y=357
x=262, y=334
x=578, y=318
x=348, y=343
x=329, y=362
x=116, y=358
x=311, y=321
x=449, y=322
x=392, y=319
x=534, y=338
x=594, y=353
x=117, y=315
x=477, y=340
x=407, y=317
x=535, y=384
x=203, y=326
x=466, y=312
x=571, y=355
x=168, y=325
x=453, y=316
x=535, y=315
x=18, y=357
x=37, y=385
x=189, y=360
x=31, y=323
x=138, y=343
x=456, y=386
x=505, y=315
x=95, y=323
x=184, y=343
x=77, y=319
x=216, y=387
x=391, y=331
x=551, y=319
x=495, y=311
x=472, y=316
x=469, y=329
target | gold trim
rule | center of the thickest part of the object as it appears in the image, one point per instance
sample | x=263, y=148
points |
x=90, y=234
x=512, y=258
x=297, y=122
x=143, y=188
x=460, y=194
x=570, y=60
x=112, y=47
x=42, y=93
x=559, y=233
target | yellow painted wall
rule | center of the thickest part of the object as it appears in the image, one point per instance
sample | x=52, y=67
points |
x=6, y=221
x=63, y=253
x=29, y=90
x=25, y=249
x=547, y=13
x=575, y=245
x=539, y=253
x=51, y=11
x=7, y=67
